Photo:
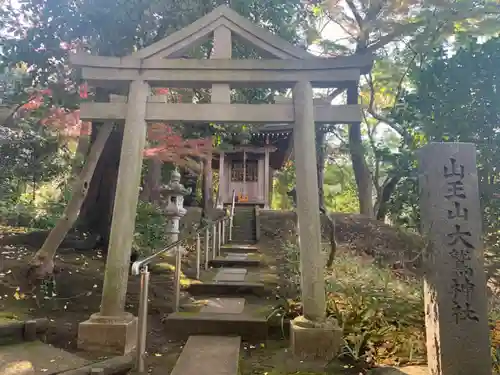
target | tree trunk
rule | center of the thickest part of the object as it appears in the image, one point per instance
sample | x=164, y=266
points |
x=42, y=264
x=380, y=208
x=320, y=157
x=151, y=189
x=359, y=166
x=97, y=209
x=207, y=189
x=333, y=240
x=81, y=151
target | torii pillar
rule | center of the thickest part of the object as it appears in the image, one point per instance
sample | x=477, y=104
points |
x=311, y=335
x=112, y=330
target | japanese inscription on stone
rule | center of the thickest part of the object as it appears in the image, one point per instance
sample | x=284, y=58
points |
x=456, y=316
x=461, y=247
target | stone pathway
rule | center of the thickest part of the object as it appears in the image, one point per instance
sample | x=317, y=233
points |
x=230, y=308
x=209, y=355
x=230, y=312
x=231, y=274
x=224, y=306
x=37, y=358
x=233, y=259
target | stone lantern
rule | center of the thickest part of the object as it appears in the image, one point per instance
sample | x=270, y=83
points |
x=174, y=209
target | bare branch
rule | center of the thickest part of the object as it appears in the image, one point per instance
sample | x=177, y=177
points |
x=357, y=16
x=336, y=92
x=399, y=31
x=342, y=26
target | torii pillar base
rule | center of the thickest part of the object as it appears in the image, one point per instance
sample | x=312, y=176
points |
x=315, y=341
x=108, y=334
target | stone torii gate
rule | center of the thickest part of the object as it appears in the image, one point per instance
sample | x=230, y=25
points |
x=160, y=65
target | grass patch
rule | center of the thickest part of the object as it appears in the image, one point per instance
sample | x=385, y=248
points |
x=381, y=314
x=380, y=311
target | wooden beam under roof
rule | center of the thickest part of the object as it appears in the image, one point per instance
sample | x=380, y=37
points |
x=362, y=62
x=102, y=77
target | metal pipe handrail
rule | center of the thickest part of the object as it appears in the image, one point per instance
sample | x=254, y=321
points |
x=140, y=267
x=231, y=214
x=138, y=264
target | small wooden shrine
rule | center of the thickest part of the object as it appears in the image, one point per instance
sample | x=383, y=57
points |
x=247, y=168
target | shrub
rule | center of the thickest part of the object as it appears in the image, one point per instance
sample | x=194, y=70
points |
x=381, y=312
x=381, y=316
x=149, y=227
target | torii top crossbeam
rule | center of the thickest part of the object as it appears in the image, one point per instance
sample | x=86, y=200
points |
x=159, y=66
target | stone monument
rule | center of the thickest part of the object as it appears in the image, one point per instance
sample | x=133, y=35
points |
x=455, y=299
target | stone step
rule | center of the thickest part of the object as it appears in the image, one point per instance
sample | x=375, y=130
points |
x=244, y=222
x=236, y=259
x=231, y=274
x=239, y=248
x=227, y=288
x=220, y=316
x=243, y=231
x=209, y=355
x=37, y=358
x=245, y=239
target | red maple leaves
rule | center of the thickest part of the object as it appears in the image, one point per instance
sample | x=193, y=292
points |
x=169, y=146
x=66, y=122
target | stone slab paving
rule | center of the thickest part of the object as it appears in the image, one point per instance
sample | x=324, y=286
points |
x=209, y=355
x=415, y=370
x=36, y=358
x=237, y=256
x=235, y=270
x=224, y=306
x=224, y=275
x=239, y=247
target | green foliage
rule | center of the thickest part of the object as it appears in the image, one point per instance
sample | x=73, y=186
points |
x=283, y=183
x=339, y=187
x=454, y=99
x=31, y=156
x=149, y=227
x=40, y=213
